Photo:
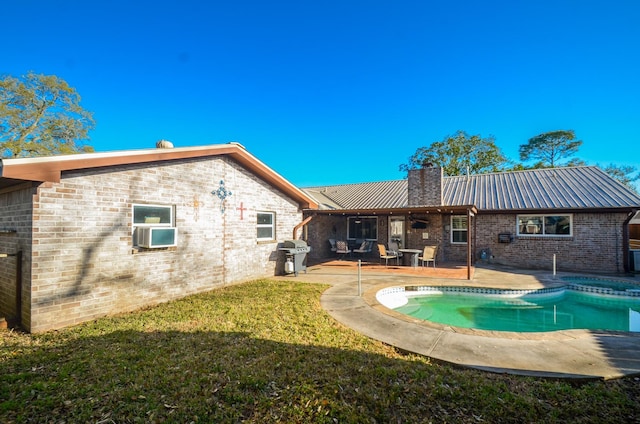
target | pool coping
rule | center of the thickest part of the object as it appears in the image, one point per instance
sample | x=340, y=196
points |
x=573, y=354
x=373, y=300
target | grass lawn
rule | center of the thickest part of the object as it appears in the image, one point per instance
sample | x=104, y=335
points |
x=266, y=352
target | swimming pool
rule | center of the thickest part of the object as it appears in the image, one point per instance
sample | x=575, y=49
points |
x=581, y=304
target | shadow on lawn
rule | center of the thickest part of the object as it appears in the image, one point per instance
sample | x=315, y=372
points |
x=216, y=377
x=203, y=376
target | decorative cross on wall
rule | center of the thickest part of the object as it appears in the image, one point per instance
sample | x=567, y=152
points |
x=222, y=194
x=241, y=209
x=196, y=208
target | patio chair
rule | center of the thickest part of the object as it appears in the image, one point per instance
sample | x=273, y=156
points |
x=332, y=242
x=394, y=249
x=386, y=255
x=342, y=248
x=364, y=248
x=429, y=255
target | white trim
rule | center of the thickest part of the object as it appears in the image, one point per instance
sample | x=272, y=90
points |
x=272, y=226
x=451, y=229
x=171, y=222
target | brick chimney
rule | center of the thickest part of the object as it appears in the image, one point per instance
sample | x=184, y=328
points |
x=425, y=186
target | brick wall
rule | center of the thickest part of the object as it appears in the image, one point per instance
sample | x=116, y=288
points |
x=15, y=235
x=595, y=246
x=320, y=229
x=425, y=186
x=84, y=262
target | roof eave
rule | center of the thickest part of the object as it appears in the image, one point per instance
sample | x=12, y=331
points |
x=50, y=169
x=601, y=209
x=400, y=211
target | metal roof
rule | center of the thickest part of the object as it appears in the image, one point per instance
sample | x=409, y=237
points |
x=549, y=188
x=584, y=187
x=377, y=195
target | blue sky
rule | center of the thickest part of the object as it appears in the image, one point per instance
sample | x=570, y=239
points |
x=332, y=92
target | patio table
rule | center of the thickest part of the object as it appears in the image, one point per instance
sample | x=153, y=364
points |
x=414, y=255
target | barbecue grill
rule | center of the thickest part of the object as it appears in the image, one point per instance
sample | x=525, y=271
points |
x=295, y=256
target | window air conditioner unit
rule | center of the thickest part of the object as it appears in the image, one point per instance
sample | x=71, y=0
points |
x=156, y=237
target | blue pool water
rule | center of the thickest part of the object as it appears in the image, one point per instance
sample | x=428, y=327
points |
x=547, y=310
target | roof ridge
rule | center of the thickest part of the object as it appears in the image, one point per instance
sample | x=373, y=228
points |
x=516, y=171
x=354, y=184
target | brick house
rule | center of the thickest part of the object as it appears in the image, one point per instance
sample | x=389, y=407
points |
x=522, y=218
x=83, y=236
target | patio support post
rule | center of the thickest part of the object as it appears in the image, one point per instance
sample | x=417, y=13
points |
x=359, y=278
x=626, y=263
x=469, y=238
x=19, y=288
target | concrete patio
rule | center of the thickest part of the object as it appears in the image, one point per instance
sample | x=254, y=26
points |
x=561, y=354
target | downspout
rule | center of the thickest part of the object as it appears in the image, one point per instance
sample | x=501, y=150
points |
x=303, y=223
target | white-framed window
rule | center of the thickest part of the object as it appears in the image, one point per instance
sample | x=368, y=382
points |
x=459, y=229
x=153, y=226
x=266, y=226
x=362, y=227
x=545, y=225
x=152, y=215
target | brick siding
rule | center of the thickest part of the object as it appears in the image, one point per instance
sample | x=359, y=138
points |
x=424, y=186
x=15, y=235
x=595, y=245
x=84, y=264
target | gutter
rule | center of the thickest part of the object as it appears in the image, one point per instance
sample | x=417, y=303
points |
x=397, y=211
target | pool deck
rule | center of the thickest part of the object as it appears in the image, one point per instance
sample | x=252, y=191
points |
x=562, y=354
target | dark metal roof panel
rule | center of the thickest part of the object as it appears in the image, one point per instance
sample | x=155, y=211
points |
x=376, y=195
x=551, y=188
